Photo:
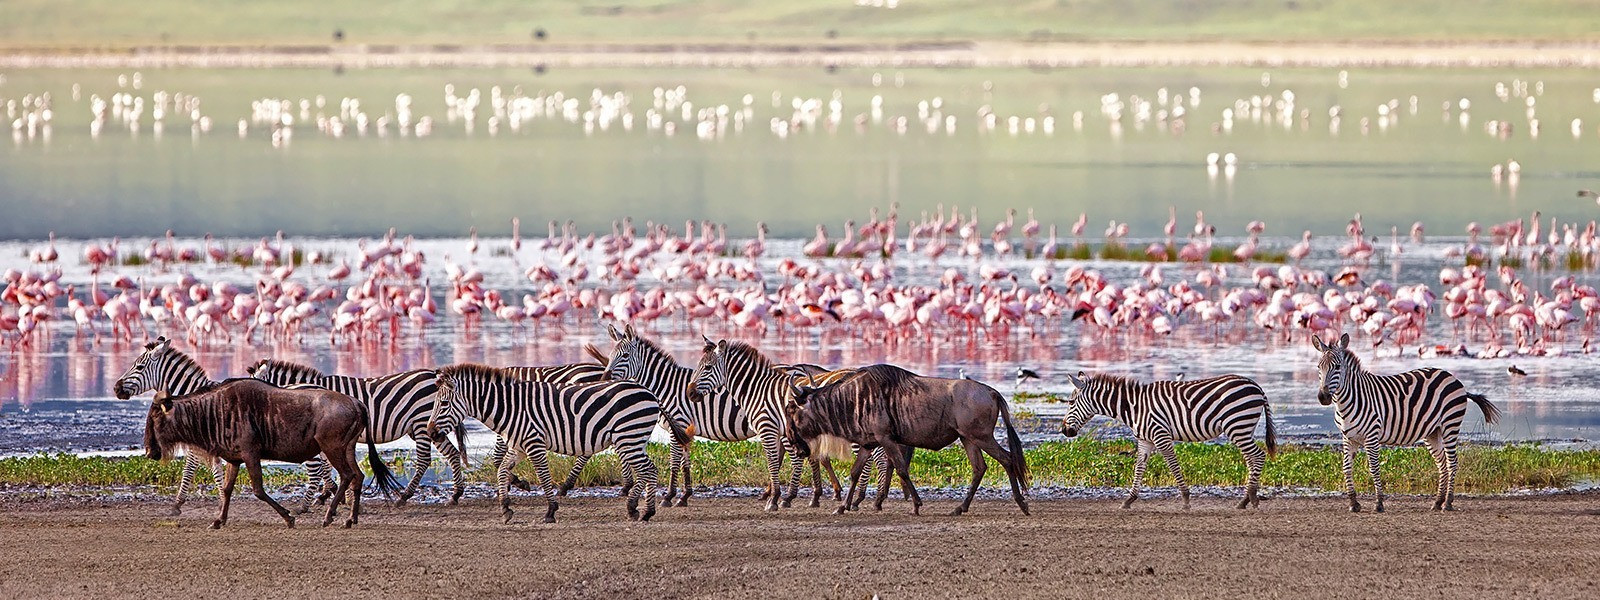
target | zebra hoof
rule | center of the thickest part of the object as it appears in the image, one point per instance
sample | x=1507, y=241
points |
x=289, y=519
x=838, y=511
x=328, y=521
x=633, y=514
x=788, y=502
x=684, y=501
x=549, y=518
x=817, y=502
x=1243, y=504
x=507, y=514
x=348, y=523
x=1355, y=507
x=1379, y=509
x=957, y=512
x=175, y=512
x=1449, y=508
x=645, y=518
x=217, y=524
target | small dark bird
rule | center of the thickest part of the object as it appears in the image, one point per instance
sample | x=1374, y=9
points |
x=1516, y=372
x=1179, y=377
x=1025, y=374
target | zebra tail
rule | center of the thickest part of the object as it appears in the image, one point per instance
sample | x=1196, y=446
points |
x=461, y=442
x=1272, y=431
x=596, y=354
x=1491, y=413
x=386, y=480
x=681, y=435
x=1014, y=444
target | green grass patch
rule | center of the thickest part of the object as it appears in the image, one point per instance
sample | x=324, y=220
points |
x=1079, y=462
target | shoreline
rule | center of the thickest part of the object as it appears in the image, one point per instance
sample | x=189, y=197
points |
x=910, y=54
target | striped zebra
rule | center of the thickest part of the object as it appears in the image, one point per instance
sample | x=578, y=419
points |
x=170, y=372
x=642, y=361
x=1163, y=412
x=399, y=404
x=537, y=418
x=1373, y=410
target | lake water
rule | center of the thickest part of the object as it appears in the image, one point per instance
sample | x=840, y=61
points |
x=1432, y=165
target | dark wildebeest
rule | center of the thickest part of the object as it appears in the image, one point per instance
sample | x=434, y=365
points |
x=246, y=421
x=884, y=406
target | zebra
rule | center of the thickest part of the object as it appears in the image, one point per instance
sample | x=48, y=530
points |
x=1373, y=410
x=640, y=360
x=1163, y=412
x=537, y=418
x=170, y=372
x=400, y=406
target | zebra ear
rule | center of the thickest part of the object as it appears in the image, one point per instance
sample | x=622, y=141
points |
x=1316, y=342
x=611, y=329
x=628, y=329
x=710, y=345
x=722, y=345
x=252, y=368
x=1344, y=341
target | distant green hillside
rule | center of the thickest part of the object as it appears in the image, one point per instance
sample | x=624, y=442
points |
x=120, y=23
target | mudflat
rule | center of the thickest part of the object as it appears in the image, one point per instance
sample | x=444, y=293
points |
x=1543, y=546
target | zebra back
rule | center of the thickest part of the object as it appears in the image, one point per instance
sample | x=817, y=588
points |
x=398, y=404
x=573, y=419
x=1193, y=410
x=575, y=373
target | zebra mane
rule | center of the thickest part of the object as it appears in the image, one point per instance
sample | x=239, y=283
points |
x=1116, y=381
x=493, y=375
x=293, y=369
x=183, y=361
x=741, y=351
x=654, y=346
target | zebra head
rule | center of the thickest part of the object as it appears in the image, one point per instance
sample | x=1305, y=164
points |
x=627, y=358
x=147, y=370
x=446, y=400
x=1334, y=368
x=1079, y=406
x=711, y=374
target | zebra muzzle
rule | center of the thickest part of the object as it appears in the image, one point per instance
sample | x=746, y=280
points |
x=1069, y=431
x=1325, y=398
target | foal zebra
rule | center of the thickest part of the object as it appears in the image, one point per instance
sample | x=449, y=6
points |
x=538, y=418
x=1425, y=404
x=399, y=405
x=170, y=372
x=1163, y=412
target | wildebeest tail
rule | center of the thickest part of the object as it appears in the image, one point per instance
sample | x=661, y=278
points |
x=386, y=479
x=1013, y=444
x=1491, y=413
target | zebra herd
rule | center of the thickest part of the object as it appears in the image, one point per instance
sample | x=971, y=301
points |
x=734, y=393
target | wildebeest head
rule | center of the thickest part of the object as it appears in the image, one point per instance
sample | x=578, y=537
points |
x=1334, y=368
x=802, y=388
x=711, y=373
x=1079, y=412
x=157, y=427
x=146, y=372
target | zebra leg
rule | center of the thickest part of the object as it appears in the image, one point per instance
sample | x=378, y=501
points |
x=316, y=473
x=773, y=448
x=1436, y=448
x=1350, y=449
x=457, y=459
x=688, y=482
x=1254, y=460
x=503, y=481
x=191, y=463
x=540, y=458
x=1164, y=444
x=498, y=455
x=643, y=472
x=572, y=476
x=798, y=469
x=1372, y=463
x=675, y=461
x=424, y=460
x=1450, y=484
x=1139, y=461
x=885, y=478
x=231, y=475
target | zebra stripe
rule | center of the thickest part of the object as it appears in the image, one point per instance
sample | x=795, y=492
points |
x=1372, y=410
x=537, y=418
x=569, y=374
x=399, y=405
x=642, y=361
x=1164, y=412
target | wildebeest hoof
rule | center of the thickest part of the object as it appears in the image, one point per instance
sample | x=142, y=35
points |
x=1025, y=512
x=957, y=512
x=1355, y=507
x=217, y=524
x=549, y=518
x=838, y=511
x=816, y=502
x=175, y=512
x=507, y=514
x=684, y=501
x=289, y=519
x=633, y=514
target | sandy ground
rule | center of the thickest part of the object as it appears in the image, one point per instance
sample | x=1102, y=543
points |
x=951, y=54
x=1494, y=547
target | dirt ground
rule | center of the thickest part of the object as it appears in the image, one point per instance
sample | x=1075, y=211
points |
x=720, y=548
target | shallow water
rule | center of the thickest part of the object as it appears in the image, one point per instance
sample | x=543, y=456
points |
x=1430, y=165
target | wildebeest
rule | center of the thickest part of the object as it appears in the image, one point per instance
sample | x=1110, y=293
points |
x=884, y=406
x=246, y=421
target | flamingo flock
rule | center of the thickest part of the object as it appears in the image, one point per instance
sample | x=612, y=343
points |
x=942, y=277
